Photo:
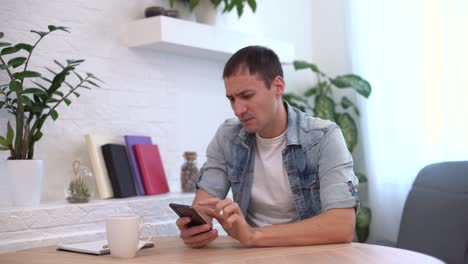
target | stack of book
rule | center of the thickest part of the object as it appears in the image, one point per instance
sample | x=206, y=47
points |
x=124, y=169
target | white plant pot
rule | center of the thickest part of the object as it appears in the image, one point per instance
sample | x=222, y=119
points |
x=26, y=181
x=206, y=13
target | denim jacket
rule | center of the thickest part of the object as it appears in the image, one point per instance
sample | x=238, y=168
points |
x=318, y=164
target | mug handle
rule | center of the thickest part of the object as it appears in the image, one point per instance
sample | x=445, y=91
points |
x=153, y=230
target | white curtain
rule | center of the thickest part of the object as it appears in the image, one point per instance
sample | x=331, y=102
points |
x=414, y=53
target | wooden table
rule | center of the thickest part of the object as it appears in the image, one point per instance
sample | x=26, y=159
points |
x=229, y=251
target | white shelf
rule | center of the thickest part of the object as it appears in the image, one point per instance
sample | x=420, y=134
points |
x=194, y=39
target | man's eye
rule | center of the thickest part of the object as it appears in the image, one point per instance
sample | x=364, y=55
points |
x=247, y=96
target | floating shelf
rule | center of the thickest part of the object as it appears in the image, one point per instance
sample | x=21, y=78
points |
x=194, y=39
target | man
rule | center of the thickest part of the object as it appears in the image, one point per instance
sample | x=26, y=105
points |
x=291, y=174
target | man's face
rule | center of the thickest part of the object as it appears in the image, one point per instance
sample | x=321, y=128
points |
x=252, y=102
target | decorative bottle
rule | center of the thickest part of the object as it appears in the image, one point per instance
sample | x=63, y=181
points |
x=189, y=172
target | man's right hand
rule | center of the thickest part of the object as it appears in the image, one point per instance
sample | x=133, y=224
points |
x=196, y=236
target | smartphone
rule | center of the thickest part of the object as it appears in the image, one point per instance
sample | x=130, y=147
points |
x=188, y=211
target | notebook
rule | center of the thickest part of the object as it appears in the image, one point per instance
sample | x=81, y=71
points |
x=94, y=143
x=116, y=160
x=130, y=141
x=94, y=247
x=151, y=169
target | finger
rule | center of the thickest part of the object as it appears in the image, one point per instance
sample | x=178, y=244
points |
x=211, y=213
x=182, y=222
x=232, y=219
x=219, y=208
x=210, y=201
x=231, y=209
x=192, y=231
x=201, y=240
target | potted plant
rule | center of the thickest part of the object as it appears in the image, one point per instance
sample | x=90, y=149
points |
x=321, y=100
x=206, y=12
x=31, y=98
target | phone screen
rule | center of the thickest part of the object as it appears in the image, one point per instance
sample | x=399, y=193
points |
x=188, y=211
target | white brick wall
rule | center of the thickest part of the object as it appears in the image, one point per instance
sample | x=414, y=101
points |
x=177, y=100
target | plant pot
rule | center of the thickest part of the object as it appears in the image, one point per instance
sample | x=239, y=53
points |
x=206, y=13
x=26, y=181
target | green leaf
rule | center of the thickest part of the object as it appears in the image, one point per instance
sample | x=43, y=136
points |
x=76, y=94
x=253, y=5
x=92, y=83
x=192, y=4
x=67, y=101
x=345, y=102
x=356, y=110
x=361, y=177
x=25, y=47
x=240, y=8
x=5, y=44
x=9, y=50
x=363, y=220
x=33, y=91
x=16, y=62
x=324, y=107
x=78, y=76
x=300, y=65
x=90, y=75
x=59, y=64
x=10, y=133
x=26, y=100
x=53, y=114
x=310, y=92
x=349, y=129
x=4, y=67
x=37, y=136
x=215, y=3
x=53, y=100
x=15, y=86
x=26, y=74
x=3, y=142
x=46, y=79
x=40, y=33
x=58, y=93
x=353, y=81
x=40, y=85
x=51, y=71
x=54, y=28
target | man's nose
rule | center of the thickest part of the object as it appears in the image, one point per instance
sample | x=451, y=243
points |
x=239, y=108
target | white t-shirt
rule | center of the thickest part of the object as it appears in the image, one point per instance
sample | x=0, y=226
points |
x=271, y=200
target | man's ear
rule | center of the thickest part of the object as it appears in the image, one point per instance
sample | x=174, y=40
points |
x=279, y=85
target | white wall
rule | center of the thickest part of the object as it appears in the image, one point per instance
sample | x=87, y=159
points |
x=177, y=100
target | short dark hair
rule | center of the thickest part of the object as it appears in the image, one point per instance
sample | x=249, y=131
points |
x=257, y=60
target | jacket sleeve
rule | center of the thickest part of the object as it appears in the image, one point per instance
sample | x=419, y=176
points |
x=213, y=174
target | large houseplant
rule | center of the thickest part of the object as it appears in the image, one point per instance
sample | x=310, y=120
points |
x=31, y=98
x=322, y=101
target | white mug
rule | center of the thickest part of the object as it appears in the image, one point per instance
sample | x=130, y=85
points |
x=123, y=235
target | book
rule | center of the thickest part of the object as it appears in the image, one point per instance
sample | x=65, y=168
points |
x=130, y=141
x=94, y=143
x=151, y=168
x=118, y=169
x=94, y=247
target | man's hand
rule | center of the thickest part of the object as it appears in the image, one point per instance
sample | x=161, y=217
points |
x=196, y=236
x=229, y=215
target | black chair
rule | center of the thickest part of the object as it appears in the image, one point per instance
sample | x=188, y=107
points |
x=435, y=216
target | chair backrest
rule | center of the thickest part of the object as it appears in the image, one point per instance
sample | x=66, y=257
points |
x=435, y=216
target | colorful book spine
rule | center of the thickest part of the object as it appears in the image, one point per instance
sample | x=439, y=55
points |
x=131, y=140
x=151, y=169
x=118, y=168
x=94, y=143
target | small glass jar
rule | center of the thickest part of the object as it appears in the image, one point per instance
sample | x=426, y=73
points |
x=79, y=189
x=189, y=172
